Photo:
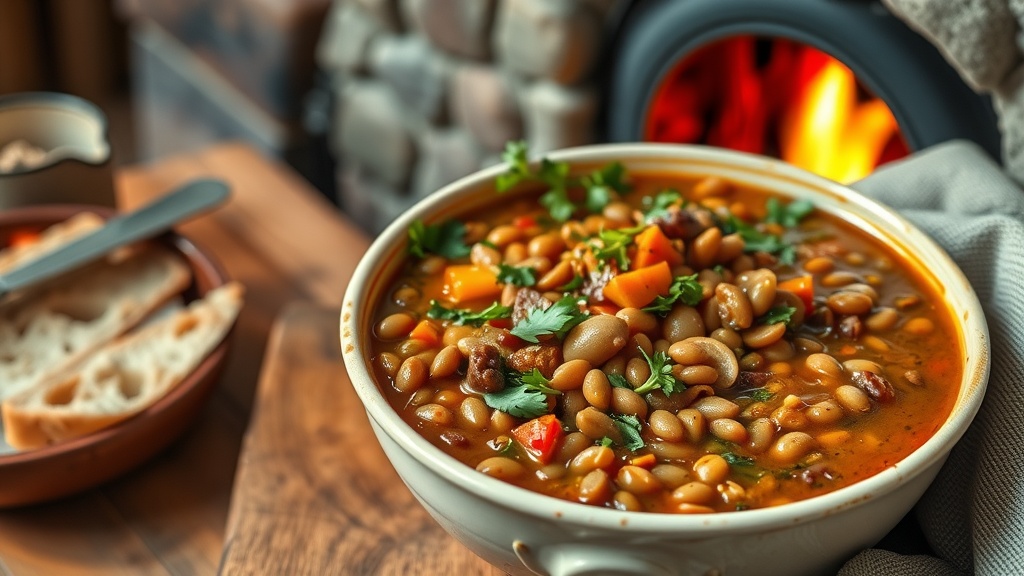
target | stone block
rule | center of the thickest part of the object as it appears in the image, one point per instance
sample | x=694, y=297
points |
x=558, y=116
x=416, y=72
x=348, y=32
x=558, y=40
x=460, y=27
x=483, y=102
x=385, y=11
x=445, y=156
x=371, y=203
x=371, y=132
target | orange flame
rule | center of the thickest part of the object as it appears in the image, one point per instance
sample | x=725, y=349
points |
x=827, y=131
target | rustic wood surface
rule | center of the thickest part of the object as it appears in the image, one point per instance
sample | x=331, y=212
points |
x=345, y=512
x=314, y=493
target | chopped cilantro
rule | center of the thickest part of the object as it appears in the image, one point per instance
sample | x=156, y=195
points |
x=618, y=381
x=516, y=275
x=613, y=244
x=684, y=289
x=760, y=394
x=518, y=401
x=788, y=215
x=629, y=427
x=755, y=240
x=605, y=441
x=556, y=320
x=736, y=460
x=444, y=239
x=575, y=284
x=524, y=396
x=658, y=204
x=778, y=314
x=661, y=377
x=600, y=184
x=460, y=316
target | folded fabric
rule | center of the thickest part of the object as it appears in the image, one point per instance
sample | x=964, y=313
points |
x=973, y=514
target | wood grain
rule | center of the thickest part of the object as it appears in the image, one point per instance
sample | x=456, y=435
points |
x=314, y=493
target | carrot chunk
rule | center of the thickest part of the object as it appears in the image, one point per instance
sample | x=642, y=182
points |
x=426, y=332
x=638, y=288
x=652, y=247
x=802, y=286
x=464, y=282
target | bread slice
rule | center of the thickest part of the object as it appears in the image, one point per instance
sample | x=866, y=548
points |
x=50, y=328
x=124, y=377
x=57, y=235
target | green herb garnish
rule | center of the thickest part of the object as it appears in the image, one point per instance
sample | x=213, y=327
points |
x=778, y=315
x=736, y=460
x=556, y=320
x=788, y=215
x=524, y=396
x=661, y=377
x=684, y=289
x=600, y=184
x=618, y=381
x=516, y=275
x=658, y=204
x=444, y=239
x=756, y=241
x=760, y=394
x=613, y=244
x=629, y=427
x=462, y=316
x=575, y=284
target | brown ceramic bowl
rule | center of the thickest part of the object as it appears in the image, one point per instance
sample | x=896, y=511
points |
x=62, y=469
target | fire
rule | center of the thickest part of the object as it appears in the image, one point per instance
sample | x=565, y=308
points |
x=828, y=132
x=779, y=98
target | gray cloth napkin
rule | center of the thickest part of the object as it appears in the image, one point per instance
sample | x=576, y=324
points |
x=973, y=515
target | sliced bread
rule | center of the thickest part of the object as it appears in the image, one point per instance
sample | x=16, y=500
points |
x=52, y=327
x=122, y=378
x=57, y=235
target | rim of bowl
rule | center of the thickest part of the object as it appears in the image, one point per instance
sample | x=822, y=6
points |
x=647, y=157
x=202, y=264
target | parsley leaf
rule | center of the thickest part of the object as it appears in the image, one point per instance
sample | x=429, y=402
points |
x=629, y=427
x=524, y=396
x=556, y=320
x=661, y=374
x=517, y=275
x=600, y=184
x=518, y=170
x=618, y=381
x=518, y=401
x=778, y=314
x=613, y=244
x=788, y=215
x=658, y=204
x=558, y=204
x=736, y=460
x=460, y=316
x=605, y=441
x=575, y=284
x=442, y=239
x=684, y=289
x=760, y=394
x=756, y=241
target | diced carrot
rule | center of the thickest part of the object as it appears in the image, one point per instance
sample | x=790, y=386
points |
x=426, y=332
x=539, y=437
x=802, y=286
x=652, y=246
x=638, y=288
x=598, y=309
x=523, y=222
x=644, y=461
x=464, y=282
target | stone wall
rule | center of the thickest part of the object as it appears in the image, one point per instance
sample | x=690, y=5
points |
x=427, y=91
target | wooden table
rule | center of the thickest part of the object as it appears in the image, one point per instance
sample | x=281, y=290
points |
x=313, y=493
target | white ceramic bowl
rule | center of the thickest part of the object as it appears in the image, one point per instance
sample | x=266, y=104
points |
x=522, y=532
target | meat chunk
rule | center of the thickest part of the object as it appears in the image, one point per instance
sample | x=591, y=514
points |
x=527, y=300
x=687, y=223
x=484, y=374
x=541, y=357
x=875, y=385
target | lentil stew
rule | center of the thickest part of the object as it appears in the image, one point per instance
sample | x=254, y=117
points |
x=649, y=342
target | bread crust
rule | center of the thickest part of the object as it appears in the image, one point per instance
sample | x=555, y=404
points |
x=123, y=377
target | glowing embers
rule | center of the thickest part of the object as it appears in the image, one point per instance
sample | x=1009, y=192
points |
x=779, y=98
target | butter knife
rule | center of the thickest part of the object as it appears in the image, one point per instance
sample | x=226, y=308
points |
x=158, y=216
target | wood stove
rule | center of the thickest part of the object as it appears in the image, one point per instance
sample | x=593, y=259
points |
x=835, y=86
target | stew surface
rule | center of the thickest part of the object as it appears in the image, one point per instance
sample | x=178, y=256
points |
x=642, y=342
